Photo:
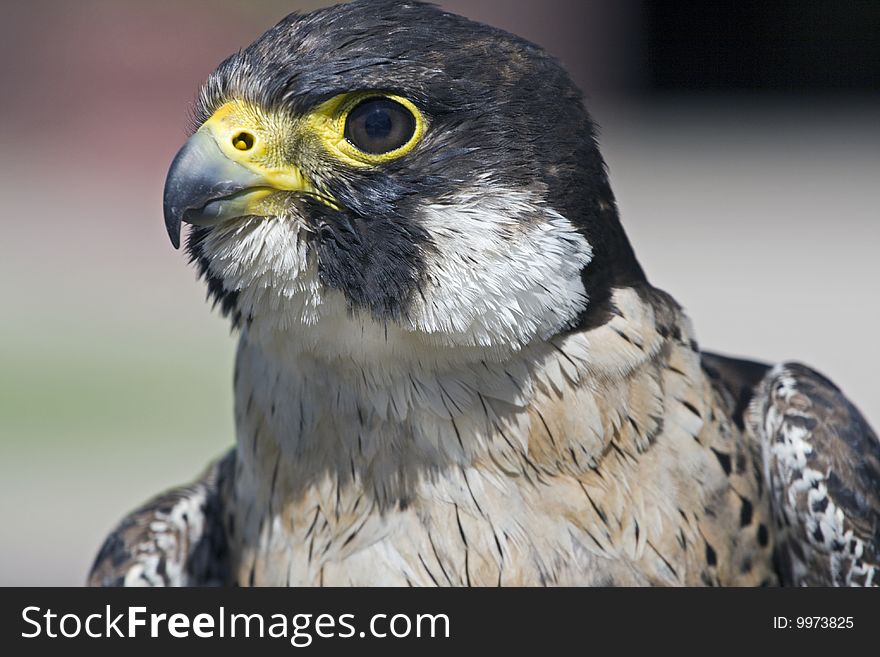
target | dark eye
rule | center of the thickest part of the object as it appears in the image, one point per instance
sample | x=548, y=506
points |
x=379, y=125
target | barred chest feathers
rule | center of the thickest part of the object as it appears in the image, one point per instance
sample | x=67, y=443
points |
x=592, y=458
x=452, y=367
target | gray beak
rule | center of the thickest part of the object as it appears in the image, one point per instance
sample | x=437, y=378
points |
x=204, y=187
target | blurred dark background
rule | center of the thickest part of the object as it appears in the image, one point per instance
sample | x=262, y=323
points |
x=785, y=46
x=744, y=147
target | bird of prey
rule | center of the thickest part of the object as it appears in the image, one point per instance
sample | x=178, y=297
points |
x=452, y=369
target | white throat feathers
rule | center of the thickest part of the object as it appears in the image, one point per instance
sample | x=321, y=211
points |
x=503, y=271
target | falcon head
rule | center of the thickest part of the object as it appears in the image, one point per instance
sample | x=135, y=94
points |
x=385, y=178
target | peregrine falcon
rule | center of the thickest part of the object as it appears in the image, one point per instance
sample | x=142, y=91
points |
x=452, y=369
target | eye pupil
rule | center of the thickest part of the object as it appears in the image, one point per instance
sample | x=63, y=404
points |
x=379, y=125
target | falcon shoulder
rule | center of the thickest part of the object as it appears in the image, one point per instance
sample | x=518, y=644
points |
x=821, y=462
x=175, y=539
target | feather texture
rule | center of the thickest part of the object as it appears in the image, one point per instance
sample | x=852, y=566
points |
x=176, y=539
x=822, y=461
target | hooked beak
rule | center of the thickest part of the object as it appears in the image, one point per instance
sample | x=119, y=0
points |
x=205, y=187
x=227, y=168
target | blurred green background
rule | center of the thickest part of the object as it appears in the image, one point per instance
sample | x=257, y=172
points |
x=759, y=213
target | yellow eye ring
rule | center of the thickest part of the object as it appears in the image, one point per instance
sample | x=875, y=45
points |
x=329, y=120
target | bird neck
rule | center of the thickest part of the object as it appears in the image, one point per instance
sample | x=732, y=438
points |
x=386, y=426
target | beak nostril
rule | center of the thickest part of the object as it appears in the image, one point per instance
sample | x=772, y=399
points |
x=243, y=141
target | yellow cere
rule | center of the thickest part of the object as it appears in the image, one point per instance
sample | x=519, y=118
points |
x=279, y=147
x=259, y=141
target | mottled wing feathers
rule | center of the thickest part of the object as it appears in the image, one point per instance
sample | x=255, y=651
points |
x=822, y=461
x=736, y=380
x=176, y=539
